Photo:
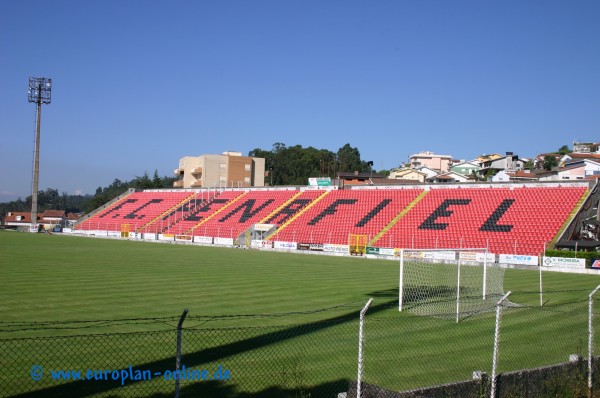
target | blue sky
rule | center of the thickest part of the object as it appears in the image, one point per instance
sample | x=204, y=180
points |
x=139, y=84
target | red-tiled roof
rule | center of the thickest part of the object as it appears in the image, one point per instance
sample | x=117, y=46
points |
x=522, y=174
x=49, y=216
x=25, y=217
x=585, y=156
x=54, y=214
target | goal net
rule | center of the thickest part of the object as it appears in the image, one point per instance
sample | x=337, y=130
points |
x=449, y=283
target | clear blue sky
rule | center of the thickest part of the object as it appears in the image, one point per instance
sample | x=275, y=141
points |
x=139, y=84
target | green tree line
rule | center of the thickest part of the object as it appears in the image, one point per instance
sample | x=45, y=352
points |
x=294, y=165
x=51, y=199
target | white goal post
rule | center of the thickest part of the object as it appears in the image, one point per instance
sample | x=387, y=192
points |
x=448, y=282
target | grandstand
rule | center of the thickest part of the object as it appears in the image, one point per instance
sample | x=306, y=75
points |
x=506, y=218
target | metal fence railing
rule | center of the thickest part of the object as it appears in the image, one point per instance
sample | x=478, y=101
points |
x=225, y=357
x=310, y=355
x=541, y=351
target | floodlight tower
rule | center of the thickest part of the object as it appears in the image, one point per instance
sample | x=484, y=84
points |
x=39, y=92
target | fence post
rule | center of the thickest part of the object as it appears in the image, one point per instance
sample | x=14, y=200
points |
x=178, y=357
x=458, y=292
x=590, y=339
x=401, y=281
x=360, y=348
x=496, y=344
x=541, y=262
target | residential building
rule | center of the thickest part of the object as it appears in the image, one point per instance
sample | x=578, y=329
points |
x=440, y=163
x=48, y=218
x=408, y=175
x=450, y=176
x=466, y=168
x=486, y=158
x=508, y=163
x=429, y=172
x=562, y=173
x=574, y=157
x=229, y=169
x=586, y=147
x=581, y=170
x=522, y=175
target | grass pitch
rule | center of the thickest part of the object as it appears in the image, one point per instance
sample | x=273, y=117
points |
x=50, y=284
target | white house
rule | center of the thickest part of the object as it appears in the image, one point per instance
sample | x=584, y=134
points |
x=429, y=172
x=448, y=177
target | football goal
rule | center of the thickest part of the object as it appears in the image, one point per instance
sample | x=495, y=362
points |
x=449, y=283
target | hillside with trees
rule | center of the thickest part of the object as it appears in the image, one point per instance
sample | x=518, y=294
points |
x=294, y=165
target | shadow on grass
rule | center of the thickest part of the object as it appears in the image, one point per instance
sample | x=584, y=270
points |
x=109, y=388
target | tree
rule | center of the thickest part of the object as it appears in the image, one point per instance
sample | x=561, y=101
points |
x=156, y=181
x=564, y=150
x=349, y=159
x=295, y=165
x=528, y=165
x=550, y=162
x=142, y=182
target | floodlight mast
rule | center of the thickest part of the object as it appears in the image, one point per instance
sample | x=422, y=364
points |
x=40, y=89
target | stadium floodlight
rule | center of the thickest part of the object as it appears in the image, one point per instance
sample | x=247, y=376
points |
x=40, y=89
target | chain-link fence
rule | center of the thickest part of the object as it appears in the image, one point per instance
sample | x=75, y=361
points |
x=541, y=351
x=220, y=357
x=534, y=351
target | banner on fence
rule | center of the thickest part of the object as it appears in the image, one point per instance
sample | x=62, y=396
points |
x=564, y=262
x=224, y=241
x=388, y=251
x=319, y=182
x=113, y=234
x=208, y=240
x=372, y=250
x=261, y=244
x=518, y=259
x=445, y=255
x=595, y=263
x=315, y=247
x=382, y=251
x=411, y=254
x=263, y=227
x=476, y=257
x=183, y=238
x=166, y=237
x=331, y=248
x=285, y=245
